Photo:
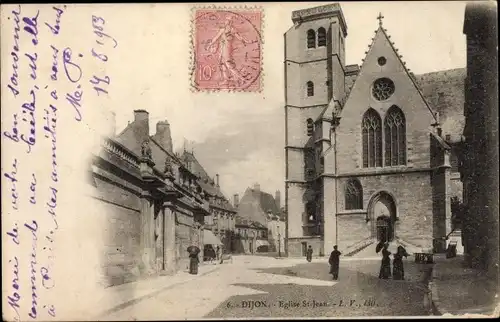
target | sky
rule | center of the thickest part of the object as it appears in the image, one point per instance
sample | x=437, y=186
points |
x=240, y=136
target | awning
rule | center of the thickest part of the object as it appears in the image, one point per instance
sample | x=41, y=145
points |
x=260, y=242
x=210, y=239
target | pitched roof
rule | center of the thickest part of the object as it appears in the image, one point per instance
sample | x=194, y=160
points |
x=256, y=205
x=383, y=32
x=206, y=182
x=444, y=91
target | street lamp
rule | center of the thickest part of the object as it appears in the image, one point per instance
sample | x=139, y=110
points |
x=279, y=242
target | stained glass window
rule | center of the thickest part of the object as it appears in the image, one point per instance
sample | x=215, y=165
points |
x=372, y=139
x=395, y=137
x=353, y=195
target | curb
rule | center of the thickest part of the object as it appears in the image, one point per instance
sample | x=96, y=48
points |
x=433, y=288
x=131, y=302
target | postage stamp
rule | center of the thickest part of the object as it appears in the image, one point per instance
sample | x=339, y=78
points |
x=227, y=49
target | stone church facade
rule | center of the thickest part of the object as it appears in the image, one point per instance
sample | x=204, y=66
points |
x=369, y=149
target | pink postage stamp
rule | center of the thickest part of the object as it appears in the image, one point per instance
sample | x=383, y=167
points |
x=227, y=49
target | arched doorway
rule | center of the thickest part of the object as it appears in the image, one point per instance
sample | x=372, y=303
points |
x=382, y=212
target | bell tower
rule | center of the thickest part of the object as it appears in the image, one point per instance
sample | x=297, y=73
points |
x=314, y=76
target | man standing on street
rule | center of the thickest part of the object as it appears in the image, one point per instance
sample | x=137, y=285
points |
x=309, y=254
x=334, y=262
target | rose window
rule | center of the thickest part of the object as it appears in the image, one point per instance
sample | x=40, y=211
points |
x=382, y=89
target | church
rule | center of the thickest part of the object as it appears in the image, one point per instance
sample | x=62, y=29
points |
x=372, y=151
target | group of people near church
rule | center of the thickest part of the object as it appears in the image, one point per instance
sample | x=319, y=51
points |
x=398, y=272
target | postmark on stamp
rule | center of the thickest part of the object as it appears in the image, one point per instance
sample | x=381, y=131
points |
x=227, y=49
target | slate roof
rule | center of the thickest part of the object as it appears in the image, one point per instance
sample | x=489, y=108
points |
x=205, y=181
x=240, y=221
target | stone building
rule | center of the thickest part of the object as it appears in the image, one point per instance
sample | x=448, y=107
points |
x=480, y=158
x=221, y=221
x=260, y=207
x=153, y=203
x=250, y=236
x=369, y=149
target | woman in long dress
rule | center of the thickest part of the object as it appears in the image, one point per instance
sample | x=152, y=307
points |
x=193, y=263
x=385, y=267
x=398, y=272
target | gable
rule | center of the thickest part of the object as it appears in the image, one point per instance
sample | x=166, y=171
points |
x=383, y=62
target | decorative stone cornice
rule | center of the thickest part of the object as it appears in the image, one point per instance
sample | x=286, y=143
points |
x=326, y=11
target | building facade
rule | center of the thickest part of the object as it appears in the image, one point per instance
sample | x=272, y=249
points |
x=153, y=203
x=367, y=157
x=480, y=158
x=250, y=237
x=262, y=209
x=221, y=221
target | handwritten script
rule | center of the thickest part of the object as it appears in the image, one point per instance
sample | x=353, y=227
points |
x=43, y=79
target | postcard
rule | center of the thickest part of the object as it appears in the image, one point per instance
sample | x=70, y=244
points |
x=190, y=161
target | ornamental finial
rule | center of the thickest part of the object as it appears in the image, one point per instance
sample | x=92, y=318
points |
x=380, y=17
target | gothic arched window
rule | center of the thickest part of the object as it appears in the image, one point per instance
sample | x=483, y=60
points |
x=372, y=139
x=353, y=195
x=310, y=88
x=321, y=37
x=395, y=137
x=311, y=39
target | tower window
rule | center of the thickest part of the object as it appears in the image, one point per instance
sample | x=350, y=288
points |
x=310, y=88
x=311, y=212
x=353, y=195
x=395, y=137
x=310, y=127
x=372, y=139
x=321, y=37
x=311, y=39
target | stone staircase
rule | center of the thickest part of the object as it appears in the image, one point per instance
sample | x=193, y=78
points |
x=359, y=247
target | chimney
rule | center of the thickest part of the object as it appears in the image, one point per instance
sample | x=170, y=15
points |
x=277, y=198
x=140, y=128
x=217, y=180
x=163, y=136
x=236, y=200
x=256, y=187
x=439, y=131
x=112, y=123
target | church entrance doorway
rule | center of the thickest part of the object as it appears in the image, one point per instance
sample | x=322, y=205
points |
x=382, y=213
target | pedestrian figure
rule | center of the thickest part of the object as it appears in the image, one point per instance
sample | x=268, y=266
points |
x=193, y=259
x=309, y=255
x=220, y=254
x=217, y=252
x=334, y=262
x=398, y=272
x=385, y=268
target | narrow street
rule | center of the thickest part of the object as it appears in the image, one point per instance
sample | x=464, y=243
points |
x=267, y=287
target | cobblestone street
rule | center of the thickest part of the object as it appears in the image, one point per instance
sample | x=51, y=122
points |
x=268, y=287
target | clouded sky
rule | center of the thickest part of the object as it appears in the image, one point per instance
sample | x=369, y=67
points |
x=241, y=135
